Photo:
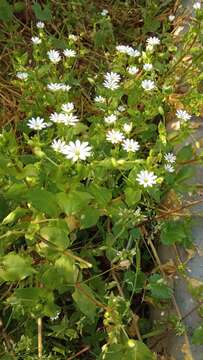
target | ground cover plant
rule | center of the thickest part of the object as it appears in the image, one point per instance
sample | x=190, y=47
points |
x=92, y=179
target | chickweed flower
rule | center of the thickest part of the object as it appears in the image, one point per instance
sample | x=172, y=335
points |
x=99, y=99
x=77, y=151
x=147, y=67
x=57, y=118
x=72, y=37
x=37, y=123
x=133, y=52
x=132, y=70
x=58, y=145
x=130, y=145
x=70, y=119
x=127, y=128
x=69, y=53
x=121, y=108
x=111, y=81
x=169, y=168
x=58, y=86
x=183, y=115
x=171, y=17
x=197, y=5
x=68, y=107
x=153, y=40
x=170, y=157
x=22, y=75
x=40, y=25
x=115, y=136
x=111, y=119
x=36, y=40
x=126, y=49
x=54, y=56
x=146, y=178
x=104, y=12
x=148, y=85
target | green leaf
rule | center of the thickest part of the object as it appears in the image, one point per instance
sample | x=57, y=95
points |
x=43, y=201
x=132, y=196
x=197, y=337
x=6, y=12
x=101, y=194
x=130, y=350
x=83, y=297
x=66, y=269
x=15, y=267
x=56, y=233
x=89, y=217
x=176, y=232
x=135, y=282
x=74, y=201
x=14, y=215
x=42, y=14
x=159, y=288
x=185, y=153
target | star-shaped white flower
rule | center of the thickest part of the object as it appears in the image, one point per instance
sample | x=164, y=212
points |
x=99, y=99
x=169, y=168
x=70, y=119
x=127, y=127
x=147, y=67
x=104, y=12
x=111, y=81
x=54, y=56
x=37, y=123
x=68, y=107
x=115, y=136
x=58, y=145
x=197, y=5
x=146, y=178
x=69, y=53
x=58, y=86
x=77, y=150
x=130, y=145
x=110, y=119
x=132, y=70
x=36, y=40
x=153, y=40
x=170, y=157
x=40, y=25
x=148, y=85
x=171, y=17
x=22, y=75
x=183, y=115
x=57, y=118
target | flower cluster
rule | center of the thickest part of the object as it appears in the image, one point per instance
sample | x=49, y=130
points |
x=170, y=158
x=55, y=56
x=66, y=116
x=126, y=49
x=73, y=150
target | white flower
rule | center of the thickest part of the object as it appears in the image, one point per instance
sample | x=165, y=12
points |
x=126, y=49
x=133, y=70
x=130, y=145
x=40, y=25
x=148, y=85
x=111, y=119
x=58, y=86
x=37, y=123
x=70, y=119
x=68, y=107
x=114, y=136
x=112, y=80
x=169, y=168
x=73, y=37
x=77, y=151
x=197, y=5
x=183, y=115
x=99, y=99
x=127, y=128
x=54, y=56
x=69, y=53
x=170, y=157
x=58, y=145
x=133, y=52
x=36, y=40
x=153, y=40
x=57, y=117
x=146, y=178
x=22, y=75
x=148, y=67
x=104, y=12
x=171, y=18
x=121, y=108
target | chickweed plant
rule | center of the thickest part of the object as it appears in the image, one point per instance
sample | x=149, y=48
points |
x=94, y=176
